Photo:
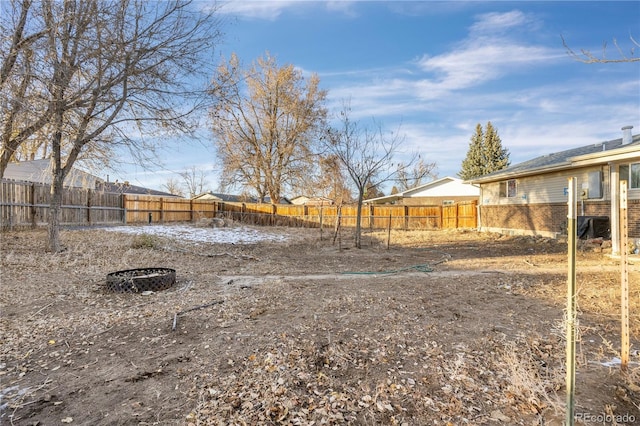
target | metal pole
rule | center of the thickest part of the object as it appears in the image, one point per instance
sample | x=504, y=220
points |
x=624, y=276
x=389, y=232
x=571, y=302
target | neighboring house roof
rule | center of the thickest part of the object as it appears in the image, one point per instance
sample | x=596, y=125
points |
x=444, y=187
x=224, y=197
x=234, y=198
x=305, y=200
x=599, y=153
x=40, y=171
x=127, y=188
x=283, y=200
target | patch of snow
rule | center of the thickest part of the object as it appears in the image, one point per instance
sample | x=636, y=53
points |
x=240, y=235
x=614, y=362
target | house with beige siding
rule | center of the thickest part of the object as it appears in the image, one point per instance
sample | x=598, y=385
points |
x=530, y=198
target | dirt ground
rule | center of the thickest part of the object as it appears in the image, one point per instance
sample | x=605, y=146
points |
x=441, y=328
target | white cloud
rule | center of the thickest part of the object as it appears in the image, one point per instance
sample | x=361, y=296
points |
x=269, y=10
x=495, y=23
x=272, y=9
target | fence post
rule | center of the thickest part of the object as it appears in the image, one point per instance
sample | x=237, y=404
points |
x=571, y=303
x=32, y=195
x=10, y=207
x=123, y=205
x=89, y=206
x=406, y=218
x=624, y=276
x=457, y=215
x=389, y=231
x=371, y=217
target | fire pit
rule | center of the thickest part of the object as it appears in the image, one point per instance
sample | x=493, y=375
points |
x=139, y=280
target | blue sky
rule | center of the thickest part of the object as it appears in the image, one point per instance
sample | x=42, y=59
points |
x=433, y=70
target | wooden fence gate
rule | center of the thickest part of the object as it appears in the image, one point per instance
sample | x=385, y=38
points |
x=459, y=216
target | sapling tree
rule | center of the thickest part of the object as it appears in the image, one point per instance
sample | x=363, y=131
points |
x=366, y=154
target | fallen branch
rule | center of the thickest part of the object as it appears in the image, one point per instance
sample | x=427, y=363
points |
x=40, y=310
x=242, y=256
x=195, y=308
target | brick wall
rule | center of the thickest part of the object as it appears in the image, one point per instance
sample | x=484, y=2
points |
x=531, y=218
x=633, y=218
x=548, y=219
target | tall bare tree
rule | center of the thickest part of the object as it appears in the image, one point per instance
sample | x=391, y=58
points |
x=174, y=187
x=411, y=177
x=108, y=72
x=194, y=180
x=366, y=155
x=23, y=111
x=332, y=182
x=265, y=123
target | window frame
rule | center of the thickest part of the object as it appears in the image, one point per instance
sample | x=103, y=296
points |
x=508, y=188
x=626, y=173
x=595, y=185
x=634, y=181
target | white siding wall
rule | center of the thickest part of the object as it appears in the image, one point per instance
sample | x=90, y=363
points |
x=541, y=189
x=446, y=189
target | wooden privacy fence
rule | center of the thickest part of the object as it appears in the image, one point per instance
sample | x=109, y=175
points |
x=26, y=204
x=149, y=209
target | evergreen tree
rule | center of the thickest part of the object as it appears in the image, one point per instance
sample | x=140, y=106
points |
x=485, y=155
x=496, y=157
x=473, y=164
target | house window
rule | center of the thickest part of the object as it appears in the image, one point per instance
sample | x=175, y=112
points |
x=631, y=173
x=595, y=184
x=508, y=189
x=634, y=175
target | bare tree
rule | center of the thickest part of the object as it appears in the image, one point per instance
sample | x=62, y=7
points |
x=23, y=111
x=366, y=155
x=109, y=72
x=174, y=187
x=588, y=57
x=411, y=177
x=265, y=122
x=332, y=183
x=195, y=181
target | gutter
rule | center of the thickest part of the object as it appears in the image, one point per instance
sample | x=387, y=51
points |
x=493, y=178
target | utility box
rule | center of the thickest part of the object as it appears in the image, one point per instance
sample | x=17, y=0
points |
x=593, y=227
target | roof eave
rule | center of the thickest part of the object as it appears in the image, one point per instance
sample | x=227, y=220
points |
x=508, y=175
x=619, y=154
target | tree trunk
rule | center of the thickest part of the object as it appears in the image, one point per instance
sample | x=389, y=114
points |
x=57, y=181
x=358, y=235
x=55, y=207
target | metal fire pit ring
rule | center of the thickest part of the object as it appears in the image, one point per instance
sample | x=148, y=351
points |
x=142, y=279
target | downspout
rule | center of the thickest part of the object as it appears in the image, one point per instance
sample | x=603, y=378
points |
x=479, y=210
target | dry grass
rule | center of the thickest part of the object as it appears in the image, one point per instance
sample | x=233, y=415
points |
x=294, y=340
